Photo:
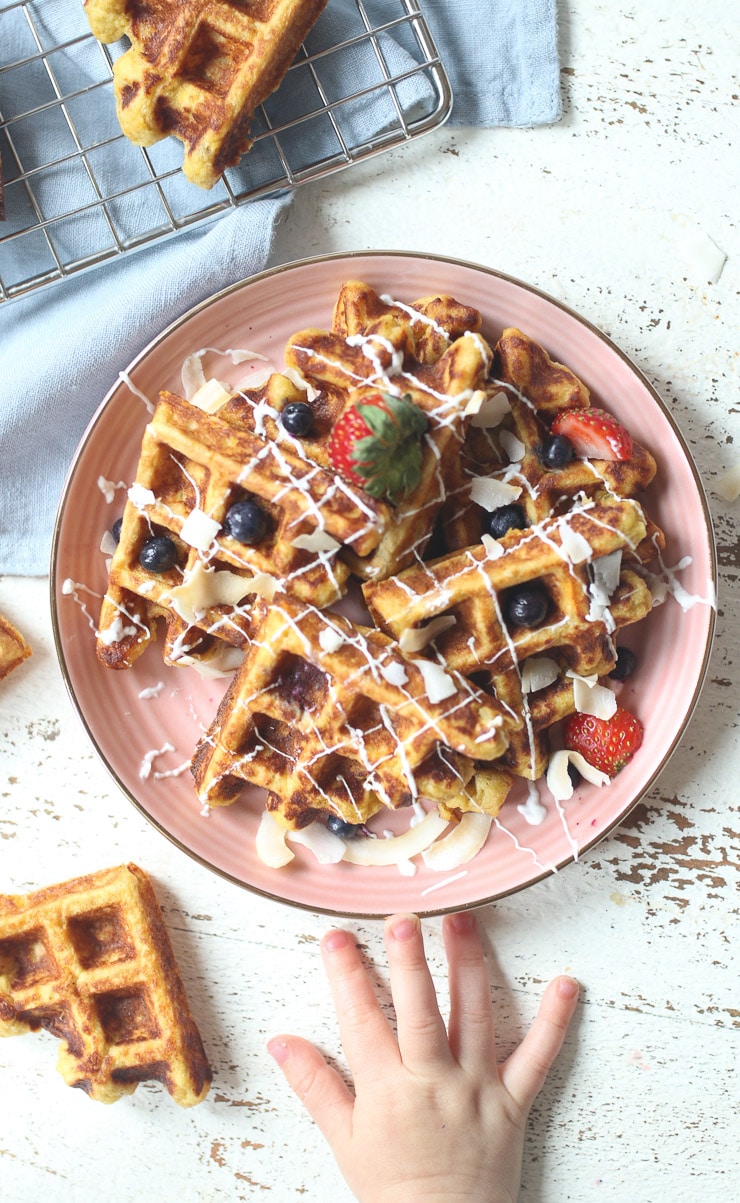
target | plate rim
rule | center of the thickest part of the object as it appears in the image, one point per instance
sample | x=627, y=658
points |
x=348, y=256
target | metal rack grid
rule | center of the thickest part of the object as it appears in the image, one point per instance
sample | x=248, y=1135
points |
x=77, y=193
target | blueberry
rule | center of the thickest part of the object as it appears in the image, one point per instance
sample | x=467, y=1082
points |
x=526, y=606
x=246, y=522
x=505, y=518
x=297, y=419
x=625, y=666
x=158, y=554
x=116, y=529
x=557, y=451
x=342, y=828
x=574, y=775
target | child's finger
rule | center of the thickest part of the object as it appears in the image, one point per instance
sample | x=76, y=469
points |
x=524, y=1073
x=366, y=1036
x=422, y=1037
x=318, y=1086
x=471, y=1030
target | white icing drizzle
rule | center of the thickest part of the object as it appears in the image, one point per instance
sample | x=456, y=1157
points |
x=124, y=376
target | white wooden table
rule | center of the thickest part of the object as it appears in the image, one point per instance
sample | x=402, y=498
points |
x=608, y=211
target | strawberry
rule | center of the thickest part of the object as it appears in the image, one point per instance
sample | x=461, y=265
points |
x=376, y=444
x=607, y=744
x=594, y=433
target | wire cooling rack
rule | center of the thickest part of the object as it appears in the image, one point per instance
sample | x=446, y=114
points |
x=77, y=193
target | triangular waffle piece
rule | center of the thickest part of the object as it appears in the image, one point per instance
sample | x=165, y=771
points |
x=90, y=960
x=430, y=351
x=13, y=647
x=198, y=69
x=193, y=467
x=543, y=707
x=536, y=389
x=477, y=586
x=333, y=718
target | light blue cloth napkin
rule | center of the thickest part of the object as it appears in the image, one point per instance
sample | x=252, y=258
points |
x=62, y=348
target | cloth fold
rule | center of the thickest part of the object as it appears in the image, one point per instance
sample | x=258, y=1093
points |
x=62, y=347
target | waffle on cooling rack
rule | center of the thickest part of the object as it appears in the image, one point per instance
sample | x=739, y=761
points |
x=196, y=470
x=90, y=960
x=13, y=647
x=198, y=69
x=333, y=718
x=528, y=595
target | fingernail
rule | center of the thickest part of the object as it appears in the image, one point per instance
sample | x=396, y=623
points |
x=334, y=940
x=403, y=927
x=278, y=1049
x=462, y=922
x=567, y=987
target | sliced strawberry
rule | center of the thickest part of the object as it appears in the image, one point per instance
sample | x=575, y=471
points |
x=607, y=744
x=594, y=433
x=376, y=444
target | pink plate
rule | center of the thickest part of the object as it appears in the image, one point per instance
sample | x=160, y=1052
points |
x=126, y=728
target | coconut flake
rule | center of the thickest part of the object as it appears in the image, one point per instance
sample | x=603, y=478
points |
x=270, y=842
x=728, y=484
x=330, y=639
x=491, y=494
x=575, y=546
x=558, y=778
x=492, y=411
x=222, y=661
x=461, y=845
x=204, y=588
x=607, y=569
x=198, y=530
x=108, y=544
x=327, y=847
x=399, y=848
x=702, y=254
x=538, y=673
x=513, y=446
x=437, y=683
x=394, y=673
x=210, y=396
x=318, y=541
x=591, y=698
x=295, y=378
x=494, y=549
x=413, y=639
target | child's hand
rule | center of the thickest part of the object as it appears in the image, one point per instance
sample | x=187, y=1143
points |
x=434, y=1117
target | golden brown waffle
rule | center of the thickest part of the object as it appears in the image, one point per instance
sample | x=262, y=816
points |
x=196, y=465
x=334, y=718
x=475, y=587
x=13, y=647
x=90, y=961
x=536, y=389
x=430, y=351
x=198, y=69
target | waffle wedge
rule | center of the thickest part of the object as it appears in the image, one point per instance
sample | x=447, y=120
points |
x=475, y=589
x=193, y=467
x=90, y=961
x=430, y=352
x=333, y=718
x=13, y=647
x=535, y=390
x=198, y=69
